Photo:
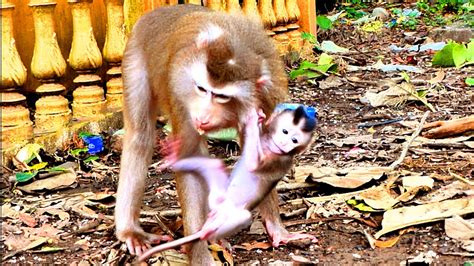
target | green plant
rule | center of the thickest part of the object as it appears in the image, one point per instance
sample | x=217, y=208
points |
x=353, y=13
x=311, y=70
x=324, y=23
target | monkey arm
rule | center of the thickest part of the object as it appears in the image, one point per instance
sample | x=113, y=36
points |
x=252, y=147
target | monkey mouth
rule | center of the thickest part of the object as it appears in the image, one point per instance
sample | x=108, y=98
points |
x=275, y=148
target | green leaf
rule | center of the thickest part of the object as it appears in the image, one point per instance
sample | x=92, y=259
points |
x=25, y=176
x=361, y=206
x=91, y=158
x=56, y=169
x=469, y=81
x=308, y=37
x=85, y=134
x=325, y=59
x=306, y=65
x=77, y=152
x=304, y=73
x=51, y=249
x=324, y=23
x=226, y=134
x=470, y=51
x=405, y=76
x=459, y=54
x=444, y=57
x=39, y=166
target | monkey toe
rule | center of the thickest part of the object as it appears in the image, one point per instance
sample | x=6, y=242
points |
x=299, y=240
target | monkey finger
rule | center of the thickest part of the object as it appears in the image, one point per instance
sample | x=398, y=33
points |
x=130, y=246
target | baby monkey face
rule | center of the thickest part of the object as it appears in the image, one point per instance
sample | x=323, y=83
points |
x=287, y=135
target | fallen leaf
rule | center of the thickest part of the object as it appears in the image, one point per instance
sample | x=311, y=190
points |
x=254, y=245
x=458, y=228
x=395, y=219
x=52, y=183
x=343, y=178
x=9, y=212
x=438, y=78
x=221, y=254
x=417, y=181
x=27, y=219
x=378, y=198
x=445, y=192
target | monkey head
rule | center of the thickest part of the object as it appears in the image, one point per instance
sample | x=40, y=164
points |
x=221, y=80
x=291, y=131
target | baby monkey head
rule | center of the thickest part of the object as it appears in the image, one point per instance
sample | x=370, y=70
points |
x=291, y=130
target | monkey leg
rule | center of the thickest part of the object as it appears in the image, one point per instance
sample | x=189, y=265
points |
x=192, y=193
x=139, y=122
x=271, y=217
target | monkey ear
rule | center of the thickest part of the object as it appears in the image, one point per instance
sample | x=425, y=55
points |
x=265, y=80
x=209, y=33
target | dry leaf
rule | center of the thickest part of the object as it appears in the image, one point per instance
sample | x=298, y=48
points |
x=417, y=181
x=438, y=78
x=458, y=228
x=27, y=219
x=343, y=178
x=445, y=192
x=254, y=245
x=52, y=183
x=402, y=217
x=9, y=212
x=378, y=198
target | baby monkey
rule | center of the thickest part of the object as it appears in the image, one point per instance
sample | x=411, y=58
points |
x=266, y=157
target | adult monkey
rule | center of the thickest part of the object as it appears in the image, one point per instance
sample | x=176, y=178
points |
x=203, y=70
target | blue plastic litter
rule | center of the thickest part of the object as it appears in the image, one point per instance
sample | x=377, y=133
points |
x=95, y=144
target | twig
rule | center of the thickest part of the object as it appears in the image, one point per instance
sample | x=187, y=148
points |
x=281, y=187
x=313, y=221
x=164, y=227
x=410, y=141
x=465, y=180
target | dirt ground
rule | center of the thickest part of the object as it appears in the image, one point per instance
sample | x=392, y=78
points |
x=341, y=239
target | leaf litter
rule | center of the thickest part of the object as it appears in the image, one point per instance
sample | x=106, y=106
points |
x=354, y=185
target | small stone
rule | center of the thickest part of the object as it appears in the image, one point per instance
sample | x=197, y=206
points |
x=455, y=33
x=381, y=13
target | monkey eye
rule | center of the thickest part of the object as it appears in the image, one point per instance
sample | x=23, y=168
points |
x=220, y=98
x=285, y=131
x=294, y=140
x=201, y=91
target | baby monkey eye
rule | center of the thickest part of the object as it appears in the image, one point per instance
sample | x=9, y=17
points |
x=221, y=98
x=295, y=141
x=201, y=91
x=285, y=131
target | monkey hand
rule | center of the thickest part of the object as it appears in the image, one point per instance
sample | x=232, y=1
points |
x=280, y=236
x=261, y=116
x=138, y=241
x=169, y=149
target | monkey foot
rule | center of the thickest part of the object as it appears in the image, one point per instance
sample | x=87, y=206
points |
x=294, y=238
x=138, y=242
x=280, y=236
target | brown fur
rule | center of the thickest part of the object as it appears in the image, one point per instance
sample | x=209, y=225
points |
x=161, y=43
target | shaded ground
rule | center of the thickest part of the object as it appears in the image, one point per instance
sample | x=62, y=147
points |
x=341, y=240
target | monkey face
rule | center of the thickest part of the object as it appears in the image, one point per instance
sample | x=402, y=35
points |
x=286, y=135
x=211, y=107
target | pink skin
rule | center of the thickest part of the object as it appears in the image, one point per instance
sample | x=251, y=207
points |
x=280, y=236
x=229, y=196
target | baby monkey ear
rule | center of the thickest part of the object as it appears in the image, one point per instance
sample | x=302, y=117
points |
x=208, y=34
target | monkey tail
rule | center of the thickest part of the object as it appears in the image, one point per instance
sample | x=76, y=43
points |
x=176, y=243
